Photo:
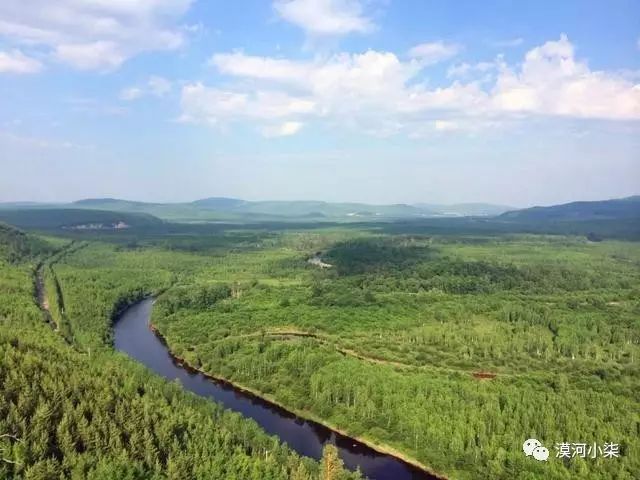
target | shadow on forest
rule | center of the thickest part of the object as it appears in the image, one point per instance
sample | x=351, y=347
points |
x=365, y=255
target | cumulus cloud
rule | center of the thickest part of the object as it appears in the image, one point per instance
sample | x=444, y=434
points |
x=17, y=62
x=382, y=94
x=430, y=53
x=325, y=17
x=355, y=75
x=261, y=68
x=91, y=56
x=552, y=82
x=94, y=34
x=216, y=106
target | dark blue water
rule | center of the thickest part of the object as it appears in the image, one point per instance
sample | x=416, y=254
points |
x=133, y=336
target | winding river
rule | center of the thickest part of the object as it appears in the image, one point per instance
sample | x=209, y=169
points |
x=133, y=336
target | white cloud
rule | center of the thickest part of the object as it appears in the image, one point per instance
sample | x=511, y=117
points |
x=430, y=53
x=380, y=94
x=216, y=107
x=364, y=91
x=325, y=17
x=16, y=62
x=155, y=85
x=94, y=34
x=351, y=87
x=357, y=76
x=282, y=130
x=91, y=56
x=552, y=82
x=265, y=68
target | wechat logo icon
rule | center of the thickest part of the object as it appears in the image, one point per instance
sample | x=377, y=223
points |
x=533, y=447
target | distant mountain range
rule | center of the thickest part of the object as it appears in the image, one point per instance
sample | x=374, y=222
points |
x=76, y=218
x=230, y=209
x=619, y=218
x=108, y=212
x=617, y=209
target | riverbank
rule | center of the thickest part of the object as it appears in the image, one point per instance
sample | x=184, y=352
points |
x=308, y=416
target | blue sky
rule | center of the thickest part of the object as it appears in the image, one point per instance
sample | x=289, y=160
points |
x=379, y=101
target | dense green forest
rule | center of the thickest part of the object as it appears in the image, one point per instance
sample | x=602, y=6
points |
x=73, y=408
x=449, y=348
x=384, y=344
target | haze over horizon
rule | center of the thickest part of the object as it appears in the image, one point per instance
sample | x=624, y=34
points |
x=293, y=200
x=374, y=101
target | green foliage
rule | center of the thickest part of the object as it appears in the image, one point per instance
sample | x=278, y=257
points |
x=67, y=412
x=201, y=297
x=16, y=245
x=384, y=343
x=93, y=295
x=332, y=466
x=103, y=418
x=364, y=255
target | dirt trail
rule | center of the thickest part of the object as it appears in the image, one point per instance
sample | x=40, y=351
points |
x=41, y=296
x=41, y=293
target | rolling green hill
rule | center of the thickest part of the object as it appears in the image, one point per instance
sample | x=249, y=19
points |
x=238, y=210
x=600, y=219
x=218, y=203
x=230, y=209
x=233, y=209
x=77, y=219
x=16, y=244
x=617, y=209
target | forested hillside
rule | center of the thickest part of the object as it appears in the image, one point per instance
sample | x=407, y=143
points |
x=81, y=410
x=450, y=349
x=618, y=209
x=16, y=245
x=392, y=341
x=70, y=219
